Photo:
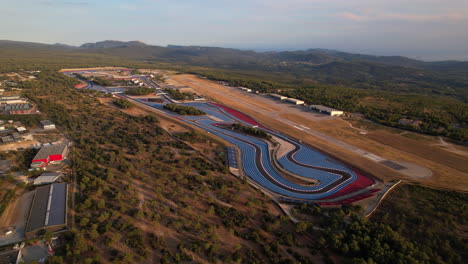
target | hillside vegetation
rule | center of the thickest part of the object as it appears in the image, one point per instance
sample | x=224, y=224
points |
x=145, y=197
x=383, y=89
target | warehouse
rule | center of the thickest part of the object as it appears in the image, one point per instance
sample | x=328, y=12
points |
x=48, y=210
x=15, y=137
x=295, y=101
x=47, y=178
x=15, y=99
x=12, y=100
x=21, y=129
x=278, y=96
x=47, y=125
x=17, y=109
x=5, y=165
x=328, y=110
x=48, y=154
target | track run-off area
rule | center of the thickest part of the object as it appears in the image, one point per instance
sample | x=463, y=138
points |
x=335, y=183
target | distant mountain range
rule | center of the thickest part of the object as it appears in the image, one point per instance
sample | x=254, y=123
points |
x=395, y=73
x=109, y=44
x=140, y=50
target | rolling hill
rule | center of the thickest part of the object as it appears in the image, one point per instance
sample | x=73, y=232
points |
x=391, y=73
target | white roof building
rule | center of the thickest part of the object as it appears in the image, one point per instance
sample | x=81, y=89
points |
x=326, y=109
x=278, y=96
x=295, y=101
x=46, y=124
x=47, y=177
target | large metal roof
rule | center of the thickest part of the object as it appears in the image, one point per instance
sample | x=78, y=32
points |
x=49, y=207
x=46, y=151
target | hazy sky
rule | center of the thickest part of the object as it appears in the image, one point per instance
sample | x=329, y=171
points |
x=429, y=29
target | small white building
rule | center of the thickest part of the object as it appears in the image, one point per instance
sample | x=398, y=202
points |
x=278, y=96
x=15, y=99
x=21, y=129
x=295, y=101
x=326, y=109
x=47, y=177
x=47, y=125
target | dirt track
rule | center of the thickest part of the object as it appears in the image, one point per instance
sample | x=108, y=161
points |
x=330, y=134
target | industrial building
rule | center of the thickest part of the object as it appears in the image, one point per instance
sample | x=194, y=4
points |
x=7, y=139
x=47, y=178
x=21, y=129
x=47, y=125
x=48, y=154
x=15, y=137
x=17, y=109
x=48, y=210
x=16, y=99
x=5, y=165
x=278, y=96
x=326, y=109
x=295, y=101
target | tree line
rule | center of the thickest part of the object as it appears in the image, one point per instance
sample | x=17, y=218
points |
x=184, y=109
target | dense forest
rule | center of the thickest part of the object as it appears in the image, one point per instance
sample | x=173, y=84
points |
x=184, y=109
x=414, y=225
x=178, y=95
x=139, y=91
x=251, y=131
x=122, y=103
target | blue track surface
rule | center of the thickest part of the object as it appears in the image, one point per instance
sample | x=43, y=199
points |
x=275, y=183
x=280, y=184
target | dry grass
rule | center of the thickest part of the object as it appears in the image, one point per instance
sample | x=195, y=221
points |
x=420, y=149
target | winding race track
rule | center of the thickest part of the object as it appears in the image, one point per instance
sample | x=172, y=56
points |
x=335, y=179
x=337, y=183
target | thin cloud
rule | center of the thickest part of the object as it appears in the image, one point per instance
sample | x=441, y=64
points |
x=64, y=3
x=447, y=17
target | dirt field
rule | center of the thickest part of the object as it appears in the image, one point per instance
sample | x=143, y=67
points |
x=14, y=210
x=421, y=149
x=302, y=124
x=16, y=215
x=17, y=145
x=182, y=89
x=153, y=71
x=165, y=122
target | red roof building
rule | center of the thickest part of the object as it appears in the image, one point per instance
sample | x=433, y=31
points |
x=48, y=154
